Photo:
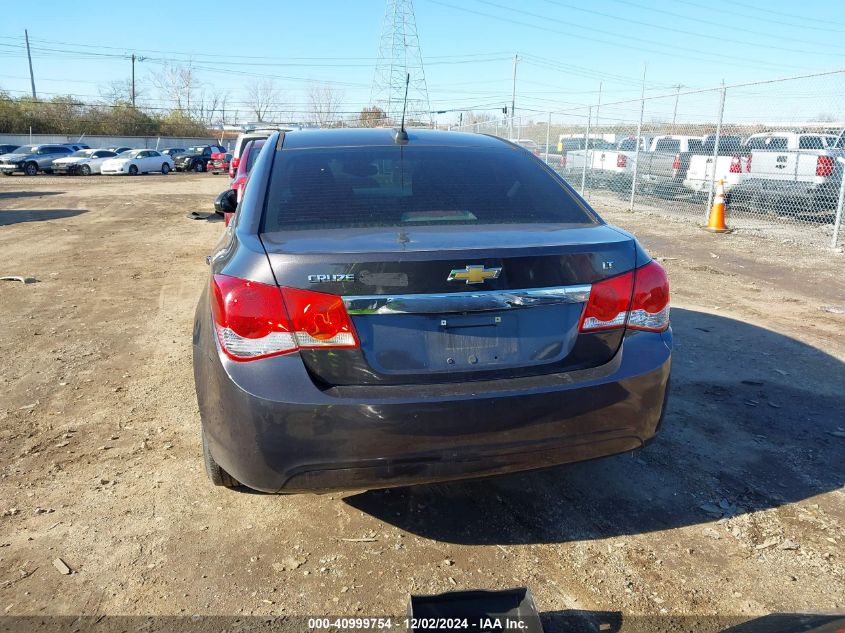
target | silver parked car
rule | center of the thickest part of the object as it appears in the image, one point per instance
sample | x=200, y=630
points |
x=30, y=159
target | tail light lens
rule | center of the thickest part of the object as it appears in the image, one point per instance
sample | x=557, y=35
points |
x=748, y=164
x=824, y=166
x=563, y=160
x=319, y=319
x=254, y=320
x=621, y=160
x=676, y=164
x=650, y=304
x=639, y=299
x=608, y=304
x=736, y=165
x=233, y=166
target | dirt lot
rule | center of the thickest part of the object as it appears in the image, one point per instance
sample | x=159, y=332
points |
x=736, y=509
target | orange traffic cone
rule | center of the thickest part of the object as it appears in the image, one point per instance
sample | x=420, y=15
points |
x=716, y=222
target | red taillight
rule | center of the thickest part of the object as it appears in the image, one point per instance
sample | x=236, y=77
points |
x=676, y=164
x=319, y=319
x=736, y=166
x=250, y=319
x=639, y=298
x=563, y=160
x=236, y=162
x=608, y=304
x=824, y=166
x=255, y=320
x=748, y=164
x=650, y=305
x=621, y=160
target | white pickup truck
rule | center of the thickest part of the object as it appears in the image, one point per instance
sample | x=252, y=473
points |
x=614, y=167
x=788, y=172
x=663, y=167
x=729, y=165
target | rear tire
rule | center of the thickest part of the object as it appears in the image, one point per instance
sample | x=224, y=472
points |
x=133, y=170
x=216, y=474
x=199, y=166
x=165, y=168
x=30, y=169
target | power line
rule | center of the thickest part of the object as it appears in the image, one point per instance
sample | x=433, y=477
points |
x=621, y=37
x=665, y=27
x=758, y=18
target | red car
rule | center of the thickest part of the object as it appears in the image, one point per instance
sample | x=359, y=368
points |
x=248, y=157
x=219, y=163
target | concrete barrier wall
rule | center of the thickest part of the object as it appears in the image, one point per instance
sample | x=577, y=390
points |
x=150, y=142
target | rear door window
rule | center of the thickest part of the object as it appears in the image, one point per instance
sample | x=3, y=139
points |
x=415, y=186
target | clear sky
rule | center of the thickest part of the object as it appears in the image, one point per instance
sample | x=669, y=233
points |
x=567, y=47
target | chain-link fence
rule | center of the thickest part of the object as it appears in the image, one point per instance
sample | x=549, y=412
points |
x=775, y=148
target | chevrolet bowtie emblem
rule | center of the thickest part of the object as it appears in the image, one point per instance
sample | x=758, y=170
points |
x=474, y=274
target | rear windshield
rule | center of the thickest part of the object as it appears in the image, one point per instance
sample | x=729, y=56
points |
x=811, y=142
x=667, y=145
x=771, y=143
x=413, y=186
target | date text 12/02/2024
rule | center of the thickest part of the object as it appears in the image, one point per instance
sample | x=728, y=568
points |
x=485, y=624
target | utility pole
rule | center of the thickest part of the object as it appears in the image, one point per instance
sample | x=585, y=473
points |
x=598, y=109
x=133, y=80
x=513, y=94
x=677, y=94
x=29, y=57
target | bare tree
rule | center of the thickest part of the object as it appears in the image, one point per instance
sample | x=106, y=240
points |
x=262, y=97
x=372, y=116
x=178, y=85
x=325, y=101
x=120, y=92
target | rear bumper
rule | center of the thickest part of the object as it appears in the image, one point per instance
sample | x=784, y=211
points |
x=274, y=430
x=790, y=193
x=730, y=181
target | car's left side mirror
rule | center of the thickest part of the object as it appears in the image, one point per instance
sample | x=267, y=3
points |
x=226, y=202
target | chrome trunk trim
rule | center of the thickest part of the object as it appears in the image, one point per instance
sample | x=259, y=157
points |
x=452, y=302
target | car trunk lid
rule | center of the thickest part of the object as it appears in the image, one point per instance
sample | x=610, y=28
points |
x=431, y=303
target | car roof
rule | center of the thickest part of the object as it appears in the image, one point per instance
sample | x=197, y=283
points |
x=351, y=137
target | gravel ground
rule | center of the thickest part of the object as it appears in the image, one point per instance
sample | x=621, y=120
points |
x=736, y=509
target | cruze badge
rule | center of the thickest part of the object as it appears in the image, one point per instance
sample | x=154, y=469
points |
x=474, y=274
x=321, y=279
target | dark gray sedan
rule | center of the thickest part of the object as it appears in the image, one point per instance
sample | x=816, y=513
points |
x=385, y=311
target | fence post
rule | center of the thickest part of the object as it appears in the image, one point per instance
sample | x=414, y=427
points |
x=716, y=151
x=837, y=222
x=587, y=154
x=637, y=149
x=548, y=135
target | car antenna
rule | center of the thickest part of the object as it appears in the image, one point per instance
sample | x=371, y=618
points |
x=401, y=135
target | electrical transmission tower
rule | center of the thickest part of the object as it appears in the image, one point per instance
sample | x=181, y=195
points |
x=400, y=56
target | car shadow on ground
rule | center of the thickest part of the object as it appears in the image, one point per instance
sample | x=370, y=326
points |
x=753, y=422
x=8, y=195
x=577, y=621
x=31, y=215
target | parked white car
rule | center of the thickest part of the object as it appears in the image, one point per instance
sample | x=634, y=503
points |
x=84, y=162
x=137, y=161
